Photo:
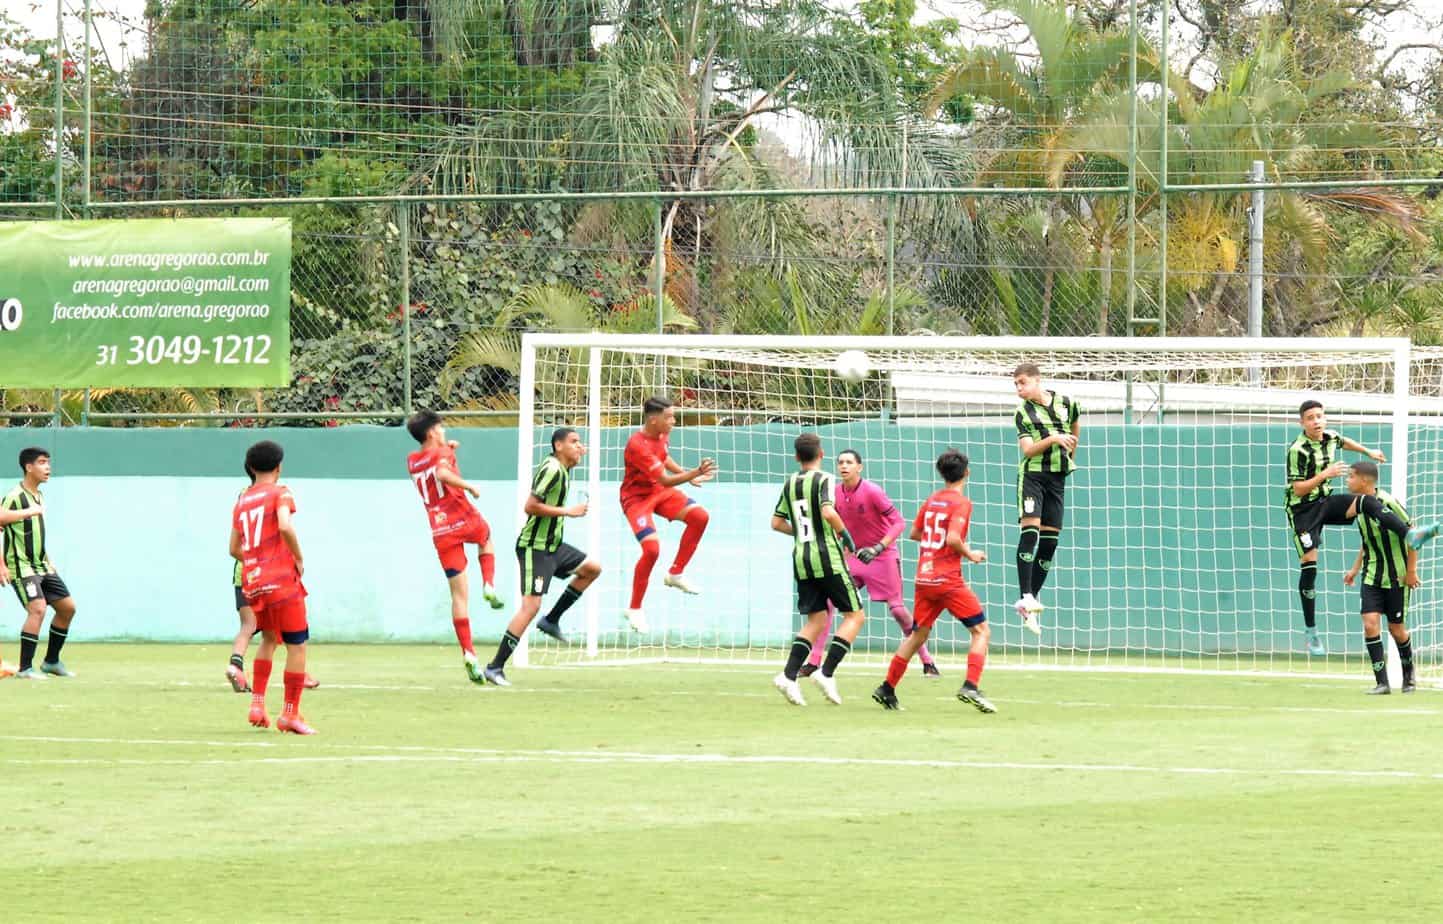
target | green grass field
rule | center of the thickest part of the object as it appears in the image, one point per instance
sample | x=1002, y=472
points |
x=669, y=793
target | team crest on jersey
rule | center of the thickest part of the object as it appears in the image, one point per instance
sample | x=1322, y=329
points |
x=439, y=517
x=641, y=521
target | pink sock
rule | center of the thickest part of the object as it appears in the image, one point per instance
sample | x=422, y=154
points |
x=819, y=647
x=904, y=619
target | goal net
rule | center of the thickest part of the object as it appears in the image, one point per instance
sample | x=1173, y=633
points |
x=1175, y=552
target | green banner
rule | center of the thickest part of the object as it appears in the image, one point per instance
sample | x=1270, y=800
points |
x=145, y=303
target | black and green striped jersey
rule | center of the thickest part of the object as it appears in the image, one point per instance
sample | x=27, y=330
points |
x=25, y=553
x=549, y=485
x=1040, y=421
x=816, y=548
x=1306, y=458
x=1385, y=555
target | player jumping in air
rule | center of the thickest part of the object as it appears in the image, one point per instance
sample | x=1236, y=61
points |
x=649, y=487
x=1389, y=569
x=8, y=517
x=1311, y=503
x=263, y=539
x=455, y=523
x=31, y=571
x=941, y=529
x=806, y=512
x=1047, y=431
x=875, y=524
x=541, y=553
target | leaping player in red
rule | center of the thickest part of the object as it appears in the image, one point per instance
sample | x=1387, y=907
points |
x=263, y=539
x=649, y=487
x=455, y=523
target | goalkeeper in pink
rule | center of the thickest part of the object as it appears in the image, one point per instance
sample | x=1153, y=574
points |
x=875, y=525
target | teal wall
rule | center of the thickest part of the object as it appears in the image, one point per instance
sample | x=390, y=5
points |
x=1175, y=538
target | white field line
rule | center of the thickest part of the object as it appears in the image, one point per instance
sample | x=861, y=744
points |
x=422, y=754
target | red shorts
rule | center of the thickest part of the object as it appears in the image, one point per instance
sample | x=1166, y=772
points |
x=956, y=598
x=286, y=617
x=451, y=547
x=669, y=505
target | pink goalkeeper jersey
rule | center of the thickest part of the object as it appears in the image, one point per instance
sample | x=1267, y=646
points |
x=869, y=514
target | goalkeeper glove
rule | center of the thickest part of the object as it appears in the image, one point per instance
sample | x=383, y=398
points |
x=865, y=555
x=847, y=542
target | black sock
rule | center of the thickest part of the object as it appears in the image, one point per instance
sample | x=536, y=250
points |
x=835, y=653
x=57, y=642
x=1026, y=556
x=1379, y=660
x=1046, y=549
x=238, y=662
x=568, y=596
x=1405, y=655
x=1307, y=581
x=28, y=644
x=503, y=651
x=800, y=649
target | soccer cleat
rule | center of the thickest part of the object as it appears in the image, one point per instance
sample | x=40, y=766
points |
x=886, y=697
x=1419, y=536
x=294, y=724
x=30, y=673
x=310, y=683
x=6, y=670
x=636, y=620
x=973, y=696
x=930, y=670
x=808, y=669
x=237, y=678
x=474, y=671
x=1381, y=689
x=492, y=597
x=495, y=676
x=829, y=688
x=680, y=582
x=790, y=689
x=547, y=627
x=1408, y=685
x=56, y=669
x=257, y=716
x=1315, y=644
x=1029, y=609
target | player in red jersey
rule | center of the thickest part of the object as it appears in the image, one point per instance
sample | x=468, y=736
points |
x=649, y=488
x=263, y=539
x=941, y=528
x=455, y=523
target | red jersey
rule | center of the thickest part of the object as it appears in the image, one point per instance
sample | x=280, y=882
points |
x=267, y=566
x=448, y=510
x=645, y=460
x=945, y=514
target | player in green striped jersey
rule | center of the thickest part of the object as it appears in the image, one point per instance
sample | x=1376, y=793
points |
x=1389, y=569
x=1048, y=426
x=805, y=512
x=7, y=517
x=541, y=553
x=31, y=571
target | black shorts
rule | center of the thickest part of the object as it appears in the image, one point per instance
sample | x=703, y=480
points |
x=36, y=586
x=1039, y=494
x=539, y=566
x=813, y=594
x=1308, y=519
x=240, y=599
x=1392, y=602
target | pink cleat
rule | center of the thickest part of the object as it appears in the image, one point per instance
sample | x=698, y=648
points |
x=311, y=682
x=258, y=716
x=237, y=678
x=295, y=724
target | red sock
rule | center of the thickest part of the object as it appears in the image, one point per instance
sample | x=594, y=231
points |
x=295, y=683
x=975, y=660
x=463, y=634
x=260, y=677
x=650, y=551
x=895, y=670
x=695, y=525
x=488, y=568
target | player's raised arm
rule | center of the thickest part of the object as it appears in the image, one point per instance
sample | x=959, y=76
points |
x=1354, y=446
x=448, y=476
x=673, y=474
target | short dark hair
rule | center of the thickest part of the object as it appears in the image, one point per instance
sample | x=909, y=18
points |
x=1308, y=405
x=265, y=456
x=1366, y=469
x=809, y=447
x=421, y=423
x=559, y=434
x=654, y=405
x=851, y=452
x=1027, y=369
x=32, y=455
x=952, y=465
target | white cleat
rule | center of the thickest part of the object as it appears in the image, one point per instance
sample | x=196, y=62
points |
x=637, y=620
x=790, y=689
x=680, y=582
x=1029, y=609
x=829, y=688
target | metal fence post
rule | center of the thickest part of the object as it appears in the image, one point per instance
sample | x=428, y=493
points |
x=659, y=268
x=403, y=221
x=891, y=265
x=85, y=115
x=59, y=117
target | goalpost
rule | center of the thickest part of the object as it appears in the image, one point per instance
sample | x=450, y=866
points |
x=1175, y=552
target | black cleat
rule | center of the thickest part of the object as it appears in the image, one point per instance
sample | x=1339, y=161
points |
x=930, y=670
x=1381, y=689
x=807, y=670
x=886, y=697
x=553, y=629
x=974, y=697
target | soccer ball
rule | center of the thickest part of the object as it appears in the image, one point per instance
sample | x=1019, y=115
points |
x=852, y=366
